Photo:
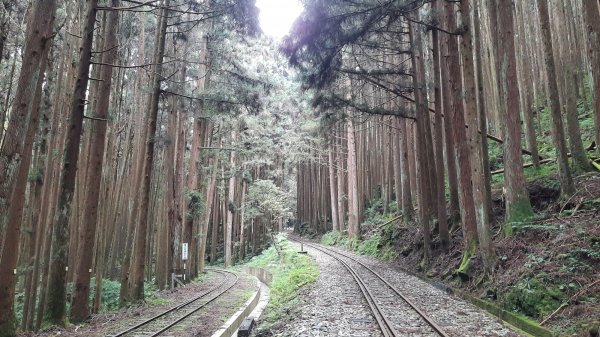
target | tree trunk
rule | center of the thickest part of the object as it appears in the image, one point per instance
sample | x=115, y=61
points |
x=396, y=161
x=454, y=209
x=405, y=174
x=210, y=205
x=81, y=283
x=135, y=183
x=332, y=187
x=592, y=22
x=479, y=192
x=462, y=147
x=15, y=153
x=10, y=248
x=522, y=70
x=558, y=135
x=340, y=177
x=231, y=208
x=518, y=206
x=482, y=118
x=242, y=226
x=37, y=46
x=139, y=266
x=56, y=306
x=439, y=142
x=353, y=221
x=421, y=165
x=581, y=162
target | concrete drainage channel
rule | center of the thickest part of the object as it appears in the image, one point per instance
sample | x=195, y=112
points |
x=244, y=318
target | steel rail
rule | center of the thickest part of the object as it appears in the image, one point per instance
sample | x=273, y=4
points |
x=384, y=323
x=183, y=305
x=421, y=313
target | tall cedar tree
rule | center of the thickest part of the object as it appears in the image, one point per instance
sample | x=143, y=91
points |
x=136, y=291
x=15, y=153
x=81, y=284
x=558, y=133
x=57, y=282
x=518, y=206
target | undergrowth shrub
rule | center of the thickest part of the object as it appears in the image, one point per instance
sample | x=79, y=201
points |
x=379, y=242
x=290, y=272
x=109, y=296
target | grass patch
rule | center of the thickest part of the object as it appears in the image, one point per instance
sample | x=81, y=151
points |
x=290, y=272
x=154, y=300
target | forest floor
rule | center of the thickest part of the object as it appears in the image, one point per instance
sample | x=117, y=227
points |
x=550, y=262
x=211, y=316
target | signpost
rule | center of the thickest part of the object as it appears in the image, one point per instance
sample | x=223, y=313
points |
x=175, y=278
x=184, y=257
x=184, y=251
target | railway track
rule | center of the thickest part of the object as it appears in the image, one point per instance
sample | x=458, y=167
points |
x=164, y=321
x=383, y=300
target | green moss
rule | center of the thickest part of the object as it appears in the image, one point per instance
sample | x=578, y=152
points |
x=195, y=202
x=519, y=321
x=468, y=254
x=533, y=298
x=520, y=211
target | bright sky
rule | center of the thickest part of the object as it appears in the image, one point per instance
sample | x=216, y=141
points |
x=277, y=16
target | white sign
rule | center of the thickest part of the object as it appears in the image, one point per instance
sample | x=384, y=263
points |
x=184, y=251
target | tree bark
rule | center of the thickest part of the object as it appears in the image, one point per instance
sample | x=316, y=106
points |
x=81, y=282
x=353, y=221
x=462, y=147
x=474, y=138
x=139, y=266
x=396, y=162
x=210, y=205
x=558, y=134
x=405, y=173
x=15, y=151
x=421, y=162
x=340, y=177
x=592, y=22
x=439, y=141
x=482, y=117
x=56, y=306
x=518, y=206
x=37, y=46
x=231, y=208
x=40, y=43
x=581, y=162
x=332, y=187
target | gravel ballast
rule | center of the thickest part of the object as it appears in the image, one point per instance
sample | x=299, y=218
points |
x=334, y=305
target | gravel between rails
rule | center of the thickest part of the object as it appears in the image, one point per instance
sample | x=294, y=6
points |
x=404, y=319
x=456, y=317
x=332, y=306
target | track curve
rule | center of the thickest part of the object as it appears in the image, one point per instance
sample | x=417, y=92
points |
x=162, y=322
